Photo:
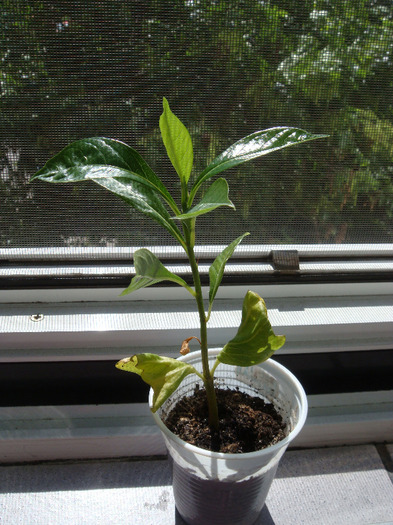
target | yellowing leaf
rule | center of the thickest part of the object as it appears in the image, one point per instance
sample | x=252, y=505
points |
x=255, y=340
x=163, y=374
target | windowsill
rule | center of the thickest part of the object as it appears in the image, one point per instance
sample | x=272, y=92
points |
x=90, y=432
x=314, y=318
x=317, y=319
x=313, y=486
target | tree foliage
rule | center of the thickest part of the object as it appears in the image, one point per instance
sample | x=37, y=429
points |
x=72, y=70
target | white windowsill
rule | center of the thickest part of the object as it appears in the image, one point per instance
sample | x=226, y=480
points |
x=107, y=329
x=72, y=432
x=315, y=318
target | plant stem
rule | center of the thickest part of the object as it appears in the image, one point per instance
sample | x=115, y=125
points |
x=207, y=375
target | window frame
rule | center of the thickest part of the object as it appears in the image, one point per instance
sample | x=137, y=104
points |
x=53, y=282
x=49, y=431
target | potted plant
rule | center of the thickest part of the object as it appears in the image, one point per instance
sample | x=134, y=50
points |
x=213, y=483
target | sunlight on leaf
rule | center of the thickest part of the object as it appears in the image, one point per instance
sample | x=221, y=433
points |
x=149, y=270
x=177, y=142
x=255, y=340
x=216, y=270
x=118, y=168
x=163, y=374
x=253, y=146
x=215, y=196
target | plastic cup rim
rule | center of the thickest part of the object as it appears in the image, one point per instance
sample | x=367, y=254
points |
x=270, y=363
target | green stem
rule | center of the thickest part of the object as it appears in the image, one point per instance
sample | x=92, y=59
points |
x=207, y=375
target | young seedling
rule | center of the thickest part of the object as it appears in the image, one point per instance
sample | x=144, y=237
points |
x=121, y=170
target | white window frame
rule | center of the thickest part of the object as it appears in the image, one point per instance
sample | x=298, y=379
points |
x=94, y=324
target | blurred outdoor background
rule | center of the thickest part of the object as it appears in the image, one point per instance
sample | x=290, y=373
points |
x=73, y=69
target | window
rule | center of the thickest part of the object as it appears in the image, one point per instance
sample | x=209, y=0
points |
x=81, y=69
x=320, y=248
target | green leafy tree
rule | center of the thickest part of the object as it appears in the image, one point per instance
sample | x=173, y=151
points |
x=78, y=69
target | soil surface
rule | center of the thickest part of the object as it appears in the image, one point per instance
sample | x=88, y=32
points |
x=246, y=424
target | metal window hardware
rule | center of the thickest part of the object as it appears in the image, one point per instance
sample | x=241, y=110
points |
x=285, y=261
x=36, y=317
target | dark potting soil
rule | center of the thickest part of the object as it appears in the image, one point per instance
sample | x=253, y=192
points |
x=246, y=423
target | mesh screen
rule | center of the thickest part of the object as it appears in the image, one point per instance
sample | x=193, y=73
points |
x=77, y=69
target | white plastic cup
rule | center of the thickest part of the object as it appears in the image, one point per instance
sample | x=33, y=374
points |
x=216, y=488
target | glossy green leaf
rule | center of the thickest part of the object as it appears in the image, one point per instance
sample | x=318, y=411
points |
x=109, y=163
x=177, y=142
x=215, y=196
x=142, y=199
x=101, y=157
x=163, y=374
x=255, y=340
x=253, y=146
x=216, y=270
x=149, y=270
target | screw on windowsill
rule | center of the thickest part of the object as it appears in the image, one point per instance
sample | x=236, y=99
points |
x=36, y=317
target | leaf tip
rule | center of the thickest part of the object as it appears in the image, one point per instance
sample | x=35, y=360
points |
x=124, y=363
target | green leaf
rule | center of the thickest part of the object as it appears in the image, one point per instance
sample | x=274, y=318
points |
x=255, y=340
x=216, y=195
x=177, y=142
x=99, y=157
x=250, y=147
x=119, y=169
x=163, y=374
x=216, y=270
x=149, y=270
x=142, y=199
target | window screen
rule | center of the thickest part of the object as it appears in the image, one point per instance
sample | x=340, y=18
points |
x=78, y=69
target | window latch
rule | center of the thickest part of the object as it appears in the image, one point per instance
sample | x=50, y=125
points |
x=285, y=261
